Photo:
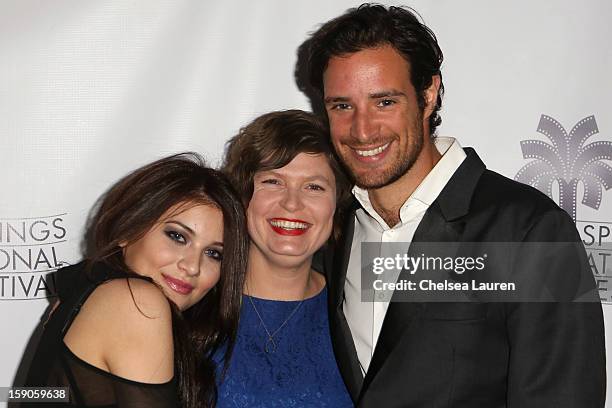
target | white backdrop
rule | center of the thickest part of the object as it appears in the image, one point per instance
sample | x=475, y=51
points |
x=90, y=90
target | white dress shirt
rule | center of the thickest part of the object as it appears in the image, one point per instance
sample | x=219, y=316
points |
x=365, y=318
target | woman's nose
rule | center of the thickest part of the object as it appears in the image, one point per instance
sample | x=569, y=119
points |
x=292, y=200
x=190, y=263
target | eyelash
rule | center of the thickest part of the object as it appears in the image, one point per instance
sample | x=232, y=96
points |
x=386, y=102
x=214, y=254
x=316, y=187
x=271, y=181
x=382, y=103
x=176, y=237
x=340, y=106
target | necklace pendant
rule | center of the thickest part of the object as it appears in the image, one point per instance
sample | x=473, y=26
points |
x=270, y=346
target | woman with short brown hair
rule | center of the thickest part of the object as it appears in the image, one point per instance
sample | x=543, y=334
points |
x=291, y=184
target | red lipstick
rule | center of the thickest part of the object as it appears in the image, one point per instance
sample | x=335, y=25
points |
x=287, y=226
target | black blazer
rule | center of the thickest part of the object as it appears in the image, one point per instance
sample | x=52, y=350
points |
x=514, y=355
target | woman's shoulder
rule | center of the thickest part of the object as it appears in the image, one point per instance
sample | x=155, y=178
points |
x=121, y=303
x=125, y=327
x=132, y=295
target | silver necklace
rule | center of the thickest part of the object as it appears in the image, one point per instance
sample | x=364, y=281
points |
x=270, y=345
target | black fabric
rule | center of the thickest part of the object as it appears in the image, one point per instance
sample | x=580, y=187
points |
x=54, y=365
x=465, y=355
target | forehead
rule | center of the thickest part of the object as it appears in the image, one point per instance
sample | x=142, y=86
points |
x=381, y=66
x=306, y=166
x=203, y=219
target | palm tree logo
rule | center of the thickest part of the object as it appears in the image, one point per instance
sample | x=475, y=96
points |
x=568, y=161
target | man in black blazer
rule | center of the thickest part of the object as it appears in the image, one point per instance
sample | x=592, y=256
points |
x=378, y=71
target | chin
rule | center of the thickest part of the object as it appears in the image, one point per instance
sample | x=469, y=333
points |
x=287, y=249
x=290, y=260
x=180, y=303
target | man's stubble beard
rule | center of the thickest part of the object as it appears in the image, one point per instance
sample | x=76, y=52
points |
x=397, y=169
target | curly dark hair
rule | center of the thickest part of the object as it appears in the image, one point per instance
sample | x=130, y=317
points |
x=374, y=25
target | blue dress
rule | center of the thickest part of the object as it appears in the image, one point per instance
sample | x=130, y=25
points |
x=300, y=372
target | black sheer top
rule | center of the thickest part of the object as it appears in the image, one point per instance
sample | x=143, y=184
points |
x=54, y=365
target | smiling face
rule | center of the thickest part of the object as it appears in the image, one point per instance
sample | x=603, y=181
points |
x=181, y=253
x=290, y=214
x=375, y=122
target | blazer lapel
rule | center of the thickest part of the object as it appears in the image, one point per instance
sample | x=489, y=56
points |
x=402, y=312
x=342, y=339
x=441, y=223
x=339, y=256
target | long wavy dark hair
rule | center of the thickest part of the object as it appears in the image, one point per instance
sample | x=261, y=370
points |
x=131, y=208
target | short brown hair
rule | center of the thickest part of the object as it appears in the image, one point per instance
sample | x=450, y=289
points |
x=271, y=141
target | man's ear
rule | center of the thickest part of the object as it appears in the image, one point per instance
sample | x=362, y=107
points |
x=431, y=96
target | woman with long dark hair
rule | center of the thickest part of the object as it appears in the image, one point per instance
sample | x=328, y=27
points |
x=157, y=294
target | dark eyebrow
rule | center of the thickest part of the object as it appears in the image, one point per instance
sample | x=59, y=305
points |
x=216, y=243
x=192, y=232
x=386, y=94
x=334, y=99
x=375, y=95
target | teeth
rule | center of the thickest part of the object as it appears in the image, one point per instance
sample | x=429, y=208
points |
x=289, y=224
x=373, y=152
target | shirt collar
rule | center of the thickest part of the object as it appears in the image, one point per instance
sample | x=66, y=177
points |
x=431, y=186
